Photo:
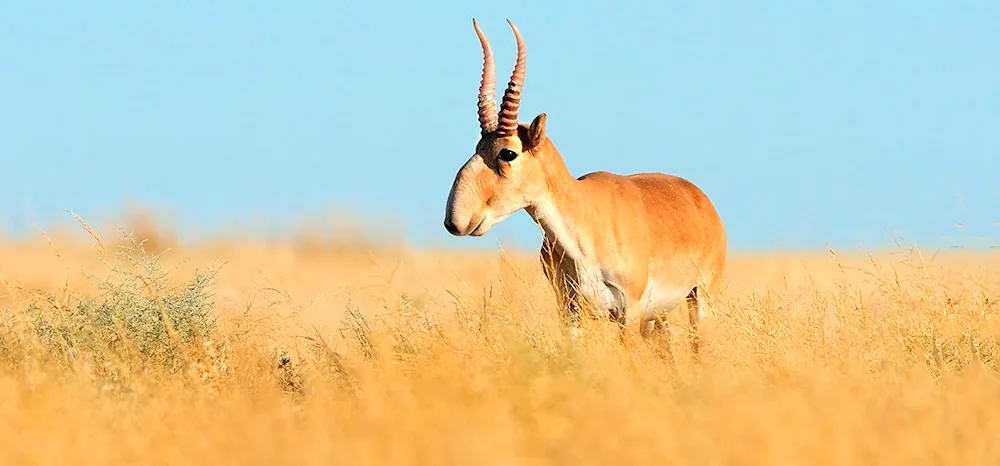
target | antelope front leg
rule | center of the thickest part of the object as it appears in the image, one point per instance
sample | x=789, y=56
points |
x=569, y=306
x=572, y=317
x=557, y=272
x=694, y=305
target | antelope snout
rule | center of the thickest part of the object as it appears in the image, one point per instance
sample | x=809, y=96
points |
x=468, y=227
x=451, y=227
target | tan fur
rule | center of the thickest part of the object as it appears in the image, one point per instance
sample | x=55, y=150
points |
x=652, y=240
x=632, y=245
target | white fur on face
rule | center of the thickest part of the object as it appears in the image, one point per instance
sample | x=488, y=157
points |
x=465, y=201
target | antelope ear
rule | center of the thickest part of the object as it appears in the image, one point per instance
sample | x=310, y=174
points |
x=536, y=132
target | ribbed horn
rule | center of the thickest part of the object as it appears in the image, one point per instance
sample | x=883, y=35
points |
x=487, y=87
x=512, y=96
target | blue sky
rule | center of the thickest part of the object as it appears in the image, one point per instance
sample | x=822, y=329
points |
x=808, y=124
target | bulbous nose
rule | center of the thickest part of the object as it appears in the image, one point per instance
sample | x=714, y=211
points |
x=450, y=226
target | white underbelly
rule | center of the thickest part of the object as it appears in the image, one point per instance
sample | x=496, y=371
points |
x=658, y=296
x=662, y=297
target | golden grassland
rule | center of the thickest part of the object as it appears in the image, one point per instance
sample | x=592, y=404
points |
x=344, y=352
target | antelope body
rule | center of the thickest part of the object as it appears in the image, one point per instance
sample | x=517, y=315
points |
x=634, y=246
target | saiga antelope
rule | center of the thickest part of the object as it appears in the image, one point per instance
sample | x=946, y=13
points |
x=633, y=245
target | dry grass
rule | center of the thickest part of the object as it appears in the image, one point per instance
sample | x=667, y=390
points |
x=314, y=352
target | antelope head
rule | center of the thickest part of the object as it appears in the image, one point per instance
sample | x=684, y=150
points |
x=507, y=171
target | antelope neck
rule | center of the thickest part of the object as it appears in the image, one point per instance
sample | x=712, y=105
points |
x=559, y=208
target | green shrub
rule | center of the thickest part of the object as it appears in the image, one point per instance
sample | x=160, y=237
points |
x=138, y=318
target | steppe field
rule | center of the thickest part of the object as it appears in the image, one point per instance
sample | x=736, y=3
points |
x=318, y=349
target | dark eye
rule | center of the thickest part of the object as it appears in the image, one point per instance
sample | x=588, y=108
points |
x=507, y=155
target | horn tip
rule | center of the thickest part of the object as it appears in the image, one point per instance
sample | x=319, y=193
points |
x=514, y=28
